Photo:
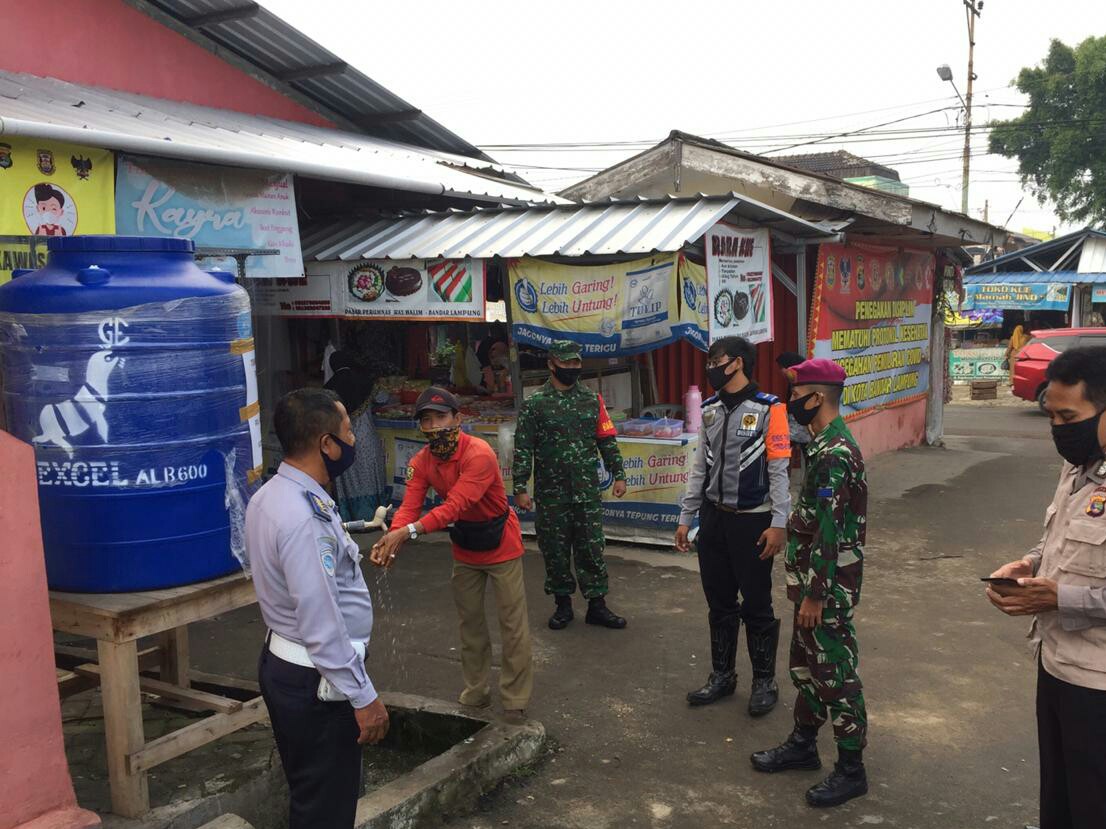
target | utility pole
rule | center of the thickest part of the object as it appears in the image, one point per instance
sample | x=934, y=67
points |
x=972, y=8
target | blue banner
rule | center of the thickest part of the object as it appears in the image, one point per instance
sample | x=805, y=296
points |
x=1043, y=296
x=215, y=207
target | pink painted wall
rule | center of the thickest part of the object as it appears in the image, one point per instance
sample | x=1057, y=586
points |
x=37, y=790
x=891, y=429
x=107, y=43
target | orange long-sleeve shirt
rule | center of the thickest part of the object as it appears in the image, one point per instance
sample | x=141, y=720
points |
x=473, y=490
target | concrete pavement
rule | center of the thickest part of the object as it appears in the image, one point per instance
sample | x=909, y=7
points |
x=948, y=680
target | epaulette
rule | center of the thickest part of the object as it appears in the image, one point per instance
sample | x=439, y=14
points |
x=712, y=399
x=318, y=506
x=765, y=397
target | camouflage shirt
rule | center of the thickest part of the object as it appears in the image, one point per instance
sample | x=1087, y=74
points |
x=826, y=533
x=557, y=436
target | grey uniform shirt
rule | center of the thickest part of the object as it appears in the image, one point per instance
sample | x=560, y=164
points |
x=308, y=578
x=742, y=459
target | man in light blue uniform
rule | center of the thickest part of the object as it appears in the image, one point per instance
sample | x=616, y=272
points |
x=314, y=600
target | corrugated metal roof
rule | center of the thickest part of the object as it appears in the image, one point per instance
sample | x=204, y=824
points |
x=1034, y=277
x=48, y=108
x=294, y=61
x=1015, y=259
x=601, y=228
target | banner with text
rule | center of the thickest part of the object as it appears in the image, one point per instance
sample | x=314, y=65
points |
x=872, y=312
x=609, y=310
x=48, y=188
x=968, y=319
x=215, y=207
x=739, y=282
x=694, y=304
x=1045, y=296
x=312, y=295
x=413, y=289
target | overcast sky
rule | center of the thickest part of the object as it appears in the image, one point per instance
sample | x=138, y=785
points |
x=760, y=76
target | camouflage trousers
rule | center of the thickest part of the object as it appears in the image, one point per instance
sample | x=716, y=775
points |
x=823, y=667
x=568, y=532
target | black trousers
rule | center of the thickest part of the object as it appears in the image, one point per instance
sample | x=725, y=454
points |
x=1071, y=732
x=318, y=746
x=730, y=564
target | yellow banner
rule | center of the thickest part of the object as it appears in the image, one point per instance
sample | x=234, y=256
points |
x=48, y=188
x=609, y=310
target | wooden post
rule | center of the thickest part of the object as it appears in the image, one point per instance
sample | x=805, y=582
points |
x=174, y=656
x=123, y=732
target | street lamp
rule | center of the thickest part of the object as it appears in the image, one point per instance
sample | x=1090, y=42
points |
x=972, y=10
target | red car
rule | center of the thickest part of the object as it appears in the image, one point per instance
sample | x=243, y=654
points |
x=1031, y=362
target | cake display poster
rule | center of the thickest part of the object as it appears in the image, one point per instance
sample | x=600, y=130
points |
x=48, y=188
x=871, y=315
x=610, y=310
x=414, y=289
x=739, y=282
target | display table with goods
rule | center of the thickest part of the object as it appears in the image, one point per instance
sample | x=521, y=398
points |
x=656, y=453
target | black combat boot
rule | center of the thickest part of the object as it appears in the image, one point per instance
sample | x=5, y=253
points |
x=723, y=657
x=762, y=654
x=563, y=614
x=847, y=780
x=600, y=614
x=799, y=751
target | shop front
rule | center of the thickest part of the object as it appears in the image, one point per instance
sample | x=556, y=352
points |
x=622, y=280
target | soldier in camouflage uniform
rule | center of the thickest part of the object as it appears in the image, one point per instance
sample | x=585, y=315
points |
x=824, y=562
x=561, y=429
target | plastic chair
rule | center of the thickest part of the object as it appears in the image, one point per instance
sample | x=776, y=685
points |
x=659, y=410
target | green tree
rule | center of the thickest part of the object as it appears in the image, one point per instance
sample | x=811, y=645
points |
x=1060, y=140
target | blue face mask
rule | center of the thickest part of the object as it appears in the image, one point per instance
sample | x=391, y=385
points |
x=334, y=468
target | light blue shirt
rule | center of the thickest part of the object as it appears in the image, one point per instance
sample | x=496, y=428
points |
x=308, y=578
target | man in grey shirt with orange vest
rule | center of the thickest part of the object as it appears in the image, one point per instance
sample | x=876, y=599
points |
x=738, y=486
x=1062, y=583
x=313, y=597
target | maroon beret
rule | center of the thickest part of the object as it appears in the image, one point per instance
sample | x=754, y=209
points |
x=817, y=372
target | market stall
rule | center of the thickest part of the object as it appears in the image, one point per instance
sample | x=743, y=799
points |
x=620, y=279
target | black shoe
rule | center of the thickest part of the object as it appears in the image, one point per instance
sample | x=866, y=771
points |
x=762, y=654
x=718, y=685
x=798, y=751
x=600, y=614
x=847, y=780
x=723, y=656
x=563, y=614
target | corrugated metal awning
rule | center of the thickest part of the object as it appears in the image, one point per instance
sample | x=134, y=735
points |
x=52, y=109
x=1034, y=277
x=602, y=228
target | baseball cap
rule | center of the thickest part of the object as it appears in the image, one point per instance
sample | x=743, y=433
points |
x=436, y=399
x=564, y=350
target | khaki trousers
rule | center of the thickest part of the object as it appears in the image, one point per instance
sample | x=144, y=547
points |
x=516, y=675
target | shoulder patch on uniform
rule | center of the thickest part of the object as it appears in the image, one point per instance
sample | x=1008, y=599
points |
x=765, y=397
x=318, y=506
x=410, y=473
x=825, y=492
x=328, y=549
x=710, y=401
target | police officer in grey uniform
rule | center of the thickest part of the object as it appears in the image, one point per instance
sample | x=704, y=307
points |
x=314, y=600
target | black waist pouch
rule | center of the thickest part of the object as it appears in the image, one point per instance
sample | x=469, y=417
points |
x=479, y=536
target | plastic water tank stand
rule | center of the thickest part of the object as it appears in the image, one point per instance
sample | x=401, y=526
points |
x=37, y=791
x=117, y=621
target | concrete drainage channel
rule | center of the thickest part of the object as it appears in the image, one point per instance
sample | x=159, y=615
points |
x=436, y=762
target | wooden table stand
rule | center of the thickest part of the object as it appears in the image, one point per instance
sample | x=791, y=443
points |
x=116, y=621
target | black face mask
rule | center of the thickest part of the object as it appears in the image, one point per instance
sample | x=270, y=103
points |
x=349, y=454
x=1077, y=442
x=797, y=409
x=567, y=376
x=719, y=377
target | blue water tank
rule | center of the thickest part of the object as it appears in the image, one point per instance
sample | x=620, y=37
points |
x=131, y=372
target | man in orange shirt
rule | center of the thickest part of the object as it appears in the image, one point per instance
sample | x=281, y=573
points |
x=487, y=544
